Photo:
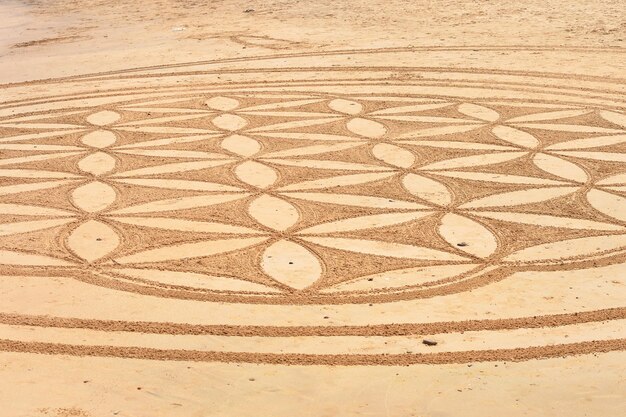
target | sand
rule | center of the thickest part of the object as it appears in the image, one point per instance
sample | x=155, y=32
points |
x=362, y=210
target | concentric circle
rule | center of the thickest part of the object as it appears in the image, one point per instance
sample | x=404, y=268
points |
x=296, y=191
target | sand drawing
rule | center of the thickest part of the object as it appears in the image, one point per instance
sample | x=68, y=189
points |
x=275, y=190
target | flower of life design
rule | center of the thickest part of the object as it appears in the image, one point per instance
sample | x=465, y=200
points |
x=311, y=195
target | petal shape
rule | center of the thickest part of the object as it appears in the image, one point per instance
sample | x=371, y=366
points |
x=103, y=118
x=580, y=247
x=172, y=153
x=183, y=225
x=20, y=258
x=193, y=280
x=99, y=139
x=35, y=158
x=365, y=222
x=610, y=204
x=26, y=210
x=93, y=240
x=345, y=106
x=560, y=167
x=222, y=103
x=613, y=179
x=241, y=145
x=311, y=136
x=526, y=104
x=97, y=163
x=167, y=141
x=393, y=155
x=160, y=120
x=169, y=168
x=173, y=130
x=365, y=127
x=337, y=181
x=46, y=126
x=553, y=115
x=594, y=142
x=514, y=198
x=474, y=160
x=569, y=128
x=31, y=226
x=230, y=122
x=33, y=186
x=324, y=164
x=180, y=184
x=38, y=147
x=598, y=156
x=34, y=173
x=438, y=131
x=614, y=117
x=515, y=136
x=427, y=189
x=180, y=203
x=380, y=248
x=458, y=145
x=498, y=178
x=256, y=174
x=356, y=200
x=410, y=109
x=167, y=110
x=93, y=196
x=272, y=212
x=311, y=150
x=429, y=119
x=547, y=220
x=190, y=250
x=467, y=235
x=294, y=124
x=291, y=264
x=40, y=135
x=478, y=112
x=284, y=114
x=403, y=277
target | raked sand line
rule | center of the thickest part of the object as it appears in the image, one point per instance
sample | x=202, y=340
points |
x=327, y=192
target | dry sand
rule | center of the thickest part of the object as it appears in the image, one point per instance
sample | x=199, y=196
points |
x=312, y=208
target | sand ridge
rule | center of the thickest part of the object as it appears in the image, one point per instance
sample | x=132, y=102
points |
x=408, y=209
x=352, y=186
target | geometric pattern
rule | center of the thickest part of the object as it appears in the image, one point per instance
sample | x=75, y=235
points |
x=420, y=192
x=310, y=198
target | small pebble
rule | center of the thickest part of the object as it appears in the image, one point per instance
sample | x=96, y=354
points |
x=429, y=342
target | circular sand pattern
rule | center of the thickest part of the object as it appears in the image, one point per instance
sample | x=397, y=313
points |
x=325, y=192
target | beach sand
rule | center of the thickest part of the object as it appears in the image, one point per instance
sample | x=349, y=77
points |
x=312, y=208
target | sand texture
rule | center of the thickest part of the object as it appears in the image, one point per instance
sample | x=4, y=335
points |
x=244, y=209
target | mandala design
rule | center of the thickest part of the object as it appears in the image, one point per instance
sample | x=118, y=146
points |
x=302, y=194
